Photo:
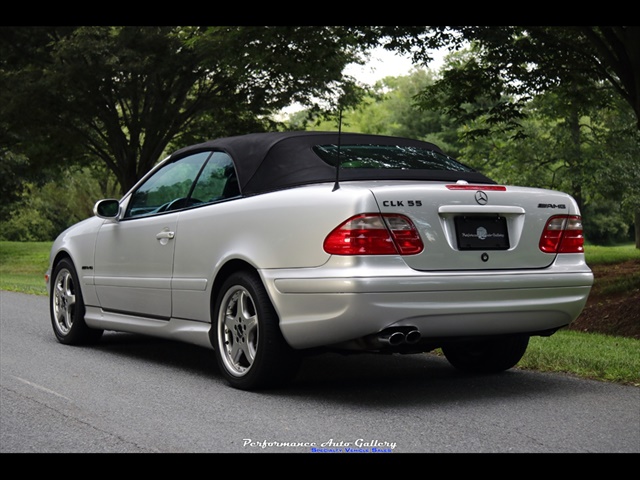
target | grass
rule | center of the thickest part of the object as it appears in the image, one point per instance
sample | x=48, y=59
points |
x=23, y=265
x=598, y=255
x=611, y=257
x=588, y=355
x=619, y=284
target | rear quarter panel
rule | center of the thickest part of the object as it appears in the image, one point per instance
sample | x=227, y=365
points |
x=283, y=229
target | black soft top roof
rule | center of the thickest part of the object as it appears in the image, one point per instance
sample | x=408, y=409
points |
x=277, y=160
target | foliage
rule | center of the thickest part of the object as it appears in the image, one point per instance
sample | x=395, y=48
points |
x=555, y=101
x=585, y=148
x=511, y=64
x=588, y=68
x=604, y=223
x=389, y=109
x=13, y=176
x=45, y=211
x=29, y=223
x=399, y=116
x=123, y=96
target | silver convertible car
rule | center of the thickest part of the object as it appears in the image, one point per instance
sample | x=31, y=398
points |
x=269, y=246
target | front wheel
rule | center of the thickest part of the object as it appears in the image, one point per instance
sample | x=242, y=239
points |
x=67, y=309
x=486, y=356
x=250, y=349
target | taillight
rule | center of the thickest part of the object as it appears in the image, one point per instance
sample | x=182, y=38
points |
x=488, y=188
x=562, y=234
x=374, y=234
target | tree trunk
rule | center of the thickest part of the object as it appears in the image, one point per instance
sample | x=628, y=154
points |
x=636, y=221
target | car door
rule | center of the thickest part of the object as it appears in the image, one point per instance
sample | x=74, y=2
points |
x=134, y=256
x=204, y=234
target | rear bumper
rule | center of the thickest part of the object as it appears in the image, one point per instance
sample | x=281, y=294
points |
x=334, y=304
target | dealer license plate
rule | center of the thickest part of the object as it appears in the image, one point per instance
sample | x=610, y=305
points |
x=482, y=232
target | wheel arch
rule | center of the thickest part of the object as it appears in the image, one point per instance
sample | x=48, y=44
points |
x=232, y=266
x=248, y=343
x=60, y=255
x=229, y=268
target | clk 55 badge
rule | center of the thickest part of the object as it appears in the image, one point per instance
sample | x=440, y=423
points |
x=401, y=203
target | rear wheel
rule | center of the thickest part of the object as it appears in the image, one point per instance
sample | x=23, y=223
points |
x=67, y=308
x=250, y=349
x=486, y=356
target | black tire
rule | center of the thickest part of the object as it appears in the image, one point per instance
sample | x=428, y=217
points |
x=486, y=356
x=66, y=307
x=245, y=333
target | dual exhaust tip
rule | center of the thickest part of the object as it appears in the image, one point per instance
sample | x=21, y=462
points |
x=397, y=337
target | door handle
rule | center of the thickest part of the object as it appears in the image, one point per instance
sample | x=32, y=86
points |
x=165, y=234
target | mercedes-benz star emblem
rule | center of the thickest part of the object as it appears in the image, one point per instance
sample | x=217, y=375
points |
x=481, y=197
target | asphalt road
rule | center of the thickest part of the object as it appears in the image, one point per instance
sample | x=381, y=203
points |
x=132, y=394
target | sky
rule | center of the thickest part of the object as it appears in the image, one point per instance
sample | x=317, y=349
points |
x=384, y=63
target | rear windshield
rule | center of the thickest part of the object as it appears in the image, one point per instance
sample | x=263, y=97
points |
x=388, y=157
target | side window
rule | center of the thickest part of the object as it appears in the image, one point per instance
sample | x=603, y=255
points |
x=168, y=188
x=217, y=180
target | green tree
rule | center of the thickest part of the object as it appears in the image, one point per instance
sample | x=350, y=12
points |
x=126, y=95
x=43, y=211
x=590, y=68
x=13, y=171
x=523, y=61
x=389, y=108
x=570, y=146
x=392, y=109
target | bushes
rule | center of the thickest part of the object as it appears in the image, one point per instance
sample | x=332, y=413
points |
x=604, y=224
x=42, y=212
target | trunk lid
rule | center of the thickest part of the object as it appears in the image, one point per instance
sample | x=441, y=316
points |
x=475, y=227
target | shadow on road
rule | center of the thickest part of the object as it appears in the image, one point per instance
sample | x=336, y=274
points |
x=359, y=379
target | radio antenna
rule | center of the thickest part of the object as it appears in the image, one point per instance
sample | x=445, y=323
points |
x=336, y=185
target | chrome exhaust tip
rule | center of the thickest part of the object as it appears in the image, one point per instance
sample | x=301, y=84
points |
x=392, y=338
x=413, y=337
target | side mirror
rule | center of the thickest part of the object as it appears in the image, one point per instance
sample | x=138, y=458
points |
x=108, y=208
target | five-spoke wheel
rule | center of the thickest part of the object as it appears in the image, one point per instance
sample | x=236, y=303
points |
x=238, y=330
x=250, y=348
x=67, y=307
